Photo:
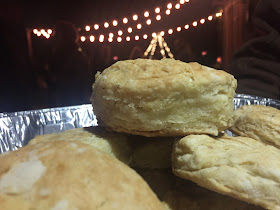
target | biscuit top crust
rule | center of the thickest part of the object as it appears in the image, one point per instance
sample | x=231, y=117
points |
x=148, y=73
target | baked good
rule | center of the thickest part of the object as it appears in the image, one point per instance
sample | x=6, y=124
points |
x=240, y=167
x=151, y=152
x=163, y=98
x=70, y=175
x=258, y=122
x=114, y=144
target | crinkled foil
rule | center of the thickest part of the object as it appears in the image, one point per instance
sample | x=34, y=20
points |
x=18, y=128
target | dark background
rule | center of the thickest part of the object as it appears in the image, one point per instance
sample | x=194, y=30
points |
x=24, y=54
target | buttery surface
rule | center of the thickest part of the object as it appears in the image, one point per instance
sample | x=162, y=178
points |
x=163, y=98
x=236, y=166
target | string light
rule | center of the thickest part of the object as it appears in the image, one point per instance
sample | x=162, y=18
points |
x=186, y=26
x=128, y=38
x=135, y=17
x=119, y=39
x=139, y=26
x=83, y=38
x=154, y=34
x=170, y=31
x=179, y=29
x=194, y=23
x=158, y=17
x=49, y=31
x=35, y=31
x=210, y=17
x=182, y=1
x=145, y=36
x=167, y=12
x=202, y=21
x=129, y=30
x=157, y=10
x=47, y=36
x=87, y=28
x=120, y=32
x=91, y=38
x=162, y=33
x=110, y=39
x=146, y=14
x=169, y=6
x=106, y=25
x=149, y=22
x=111, y=34
x=115, y=23
x=136, y=37
x=96, y=26
x=125, y=20
x=177, y=6
x=39, y=33
x=101, y=38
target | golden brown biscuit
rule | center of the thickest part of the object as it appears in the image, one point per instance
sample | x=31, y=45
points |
x=115, y=144
x=70, y=175
x=163, y=98
x=258, y=122
x=240, y=167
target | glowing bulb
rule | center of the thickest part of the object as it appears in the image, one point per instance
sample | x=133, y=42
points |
x=139, y=26
x=169, y=6
x=125, y=20
x=91, y=38
x=43, y=31
x=179, y=29
x=194, y=23
x=182, y=1
x=119, y=39
x=168, y=12
x=83, y=38
x=186, y=27
x=162, y=33
x=158, y=17
x=157, y=10
x=106, y=24
x=202, y=21
x=101, y=38
x=170, y=31
x=47, y=36
x=115, y=23
x=87, y=28
x=177, y=6
x=149, y=22
x=35, y=31
x=120, y=32
x=128, y=38
x=39, y=33
x=129, y=30
x=210, y=17
x=96, y=26
x=219, y=60
x=111, y=34
x=136, y=37
x=218, y=14
x=146, y=14
x=154, y=34
x=187, y=1
x=135, y=17
x=110, y=39
x=145, y=36
x=49, y=31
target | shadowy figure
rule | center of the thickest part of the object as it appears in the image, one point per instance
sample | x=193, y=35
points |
x=256, y=65
x=68, y=73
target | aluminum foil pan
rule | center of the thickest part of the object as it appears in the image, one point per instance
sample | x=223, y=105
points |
x=18, y=128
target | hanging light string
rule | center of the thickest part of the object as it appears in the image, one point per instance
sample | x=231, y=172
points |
x=112, y=24
x=168, y=31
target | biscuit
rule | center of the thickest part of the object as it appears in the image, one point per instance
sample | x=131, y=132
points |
x=258, y=122
x=115, y=144
x=163, y=98
x=240, y=167
x=70, y=175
